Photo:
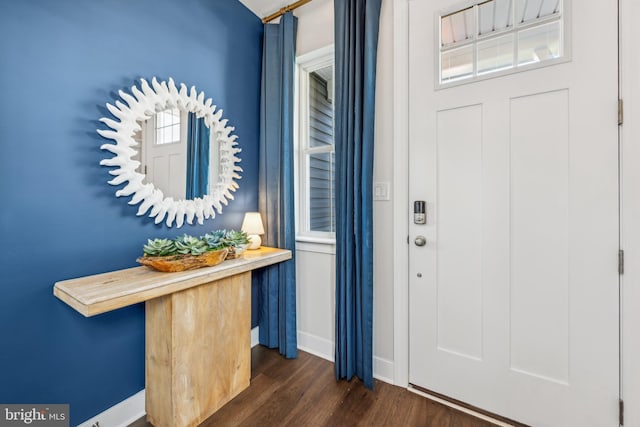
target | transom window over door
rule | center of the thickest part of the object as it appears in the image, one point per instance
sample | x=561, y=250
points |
x=495, y=37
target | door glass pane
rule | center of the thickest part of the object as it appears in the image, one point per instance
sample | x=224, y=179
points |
x=494, y=15
x=457, y=27
x=530, y=10
x=508, y=34
x=495, y=54
x=456, y=64
x=539, y=43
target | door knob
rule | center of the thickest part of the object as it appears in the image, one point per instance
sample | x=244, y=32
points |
x=420, y=241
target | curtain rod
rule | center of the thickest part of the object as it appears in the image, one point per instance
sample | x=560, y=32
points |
x=284, y=10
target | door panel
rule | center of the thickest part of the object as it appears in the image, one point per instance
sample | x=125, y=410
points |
x=459, y=164
x=514, y=298
x=539, y=231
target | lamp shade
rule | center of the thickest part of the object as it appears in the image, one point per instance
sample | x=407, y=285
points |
x=252, y=223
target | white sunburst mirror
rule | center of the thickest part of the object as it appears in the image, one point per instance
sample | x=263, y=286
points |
x=143, y=105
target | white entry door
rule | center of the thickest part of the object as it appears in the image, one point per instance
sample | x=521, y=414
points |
x=164, y=152
x=514, y=296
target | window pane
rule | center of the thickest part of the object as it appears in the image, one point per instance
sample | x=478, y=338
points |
x=457, y=27
x=320, y=108
x=494, y=15
x=539, y=43
x=495, y=54
x=321, y=192
x=456, y=64
x=535, y=26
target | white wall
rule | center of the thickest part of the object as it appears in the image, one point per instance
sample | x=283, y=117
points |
x=315, y=26
x=315, y=270
x=315, y=294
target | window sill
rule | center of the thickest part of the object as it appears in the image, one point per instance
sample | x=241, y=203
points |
x=316, y=244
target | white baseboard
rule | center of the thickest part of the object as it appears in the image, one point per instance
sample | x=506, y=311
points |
x=121, y=414
x=316, y=345
x=255, y=336
x=383, y=370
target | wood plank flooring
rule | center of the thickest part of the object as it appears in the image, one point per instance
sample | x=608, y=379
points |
x=304, y=392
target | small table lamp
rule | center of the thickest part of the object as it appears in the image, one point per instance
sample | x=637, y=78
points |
x=252, y=225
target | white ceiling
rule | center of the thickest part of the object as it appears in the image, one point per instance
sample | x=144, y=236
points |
x=262, y=8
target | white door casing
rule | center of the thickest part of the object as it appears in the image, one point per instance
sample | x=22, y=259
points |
x=516, y=310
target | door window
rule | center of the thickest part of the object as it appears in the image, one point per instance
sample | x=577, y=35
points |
x=497, y=37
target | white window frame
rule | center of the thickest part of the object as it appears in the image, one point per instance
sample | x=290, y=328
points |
x=307, y=64
x=565, y=30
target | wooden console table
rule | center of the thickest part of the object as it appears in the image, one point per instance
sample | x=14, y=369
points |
x=198, y=330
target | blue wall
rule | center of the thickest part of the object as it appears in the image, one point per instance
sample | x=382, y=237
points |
x=60, y=62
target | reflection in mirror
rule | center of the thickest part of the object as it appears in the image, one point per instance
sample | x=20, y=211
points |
x=177, y=154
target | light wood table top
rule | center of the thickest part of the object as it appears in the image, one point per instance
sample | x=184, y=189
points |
x=91, y=295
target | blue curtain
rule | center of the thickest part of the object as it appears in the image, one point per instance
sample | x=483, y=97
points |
x=277, y=284
x=356, y=34
x=197, y=157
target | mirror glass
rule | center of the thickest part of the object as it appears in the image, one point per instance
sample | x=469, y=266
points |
x=177, y=154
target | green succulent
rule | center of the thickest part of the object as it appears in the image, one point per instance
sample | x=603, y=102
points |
x=159, y=247
x=186, y=244
x=236, y=238
x=215, y=240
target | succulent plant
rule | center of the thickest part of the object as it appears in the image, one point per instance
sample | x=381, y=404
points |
x=159, y=247
x=215, y=240
x=236, y=238
x=186, y=244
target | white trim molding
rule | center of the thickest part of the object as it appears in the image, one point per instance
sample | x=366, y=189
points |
x=629, y=61
x=121, y=414
x=383, y=369
x=305, y=244
x=401, y=196
x=305, y=65
x=255, y=336
x=318, y=346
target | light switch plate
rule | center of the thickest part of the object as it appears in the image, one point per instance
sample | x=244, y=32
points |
x=381, y=191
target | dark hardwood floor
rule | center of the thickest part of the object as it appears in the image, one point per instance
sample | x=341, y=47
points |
x=304, y=392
